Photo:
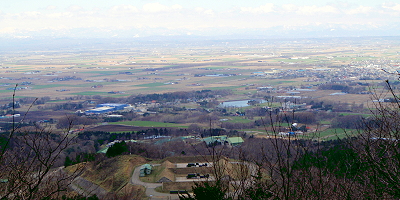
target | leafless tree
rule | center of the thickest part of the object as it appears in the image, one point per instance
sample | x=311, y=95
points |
x=28, y=159
x=378, y=146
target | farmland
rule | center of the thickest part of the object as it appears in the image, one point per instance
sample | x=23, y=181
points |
x=159, y=102
x=276, y=71
x=160, y=70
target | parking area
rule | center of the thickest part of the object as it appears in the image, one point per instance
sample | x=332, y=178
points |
x=184, y=179
x=203, y=164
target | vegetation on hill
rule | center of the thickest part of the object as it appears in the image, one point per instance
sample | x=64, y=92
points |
x=113, y=174
x=117, y=149
x=30, y=163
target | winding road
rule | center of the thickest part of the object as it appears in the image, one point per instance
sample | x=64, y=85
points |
x=150, y=187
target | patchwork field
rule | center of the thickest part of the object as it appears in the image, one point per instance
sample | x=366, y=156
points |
x=125, y=72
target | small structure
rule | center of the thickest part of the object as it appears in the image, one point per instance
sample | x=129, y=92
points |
x=145, y=170
x=235, y=141
x=215, y=140
x=3, y=180
x=223, y=140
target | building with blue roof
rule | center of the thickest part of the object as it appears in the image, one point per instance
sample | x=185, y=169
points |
x=117, y=106
x=106, y=108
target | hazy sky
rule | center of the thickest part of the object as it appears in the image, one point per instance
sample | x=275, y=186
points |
x=61, y=17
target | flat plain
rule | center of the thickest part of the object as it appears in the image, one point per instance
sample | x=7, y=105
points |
x=125, y=72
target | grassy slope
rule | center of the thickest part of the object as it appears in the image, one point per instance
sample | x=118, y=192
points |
x=114, y=173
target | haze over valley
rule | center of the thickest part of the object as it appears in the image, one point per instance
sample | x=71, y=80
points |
x=190, y=100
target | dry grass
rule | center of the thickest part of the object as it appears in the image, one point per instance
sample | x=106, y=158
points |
x=235, y=171
x=114, y=173
x=131, y=192
x=167, y=172
x=158, y=172
x=348, y=98
x=177, y=186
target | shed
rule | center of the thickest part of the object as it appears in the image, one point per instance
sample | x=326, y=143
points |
x=235, y=141
x=145, y=170
x=219, y=139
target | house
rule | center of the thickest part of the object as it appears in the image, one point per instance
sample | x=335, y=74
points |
x=145, y=170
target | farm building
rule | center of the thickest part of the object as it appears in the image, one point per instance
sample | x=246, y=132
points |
x=116, y=106
x=106, y=108
x=145, y=170
x=100, y=110
x=215, y=139
x=223, y=140
x=235, y=141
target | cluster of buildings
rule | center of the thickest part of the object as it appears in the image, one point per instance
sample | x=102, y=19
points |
x=357, y=70
x=10, y=116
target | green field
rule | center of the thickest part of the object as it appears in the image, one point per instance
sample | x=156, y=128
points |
x=99, y=72
x=95, y=83
x=332, y=134
x=50, y=86
x=90, y=93
x=325, y=122
x=220, y=79
x=149, y=85
x=227, y=87
x=10, y=97
x=363, y=115
x=152, y=89
x=5, y=91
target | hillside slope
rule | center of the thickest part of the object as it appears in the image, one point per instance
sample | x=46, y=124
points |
x=113, y=175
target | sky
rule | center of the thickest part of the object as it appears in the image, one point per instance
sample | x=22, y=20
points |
x=140, y=18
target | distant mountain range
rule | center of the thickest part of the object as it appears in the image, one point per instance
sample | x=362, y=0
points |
x=323, y=30
x=87, y=38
